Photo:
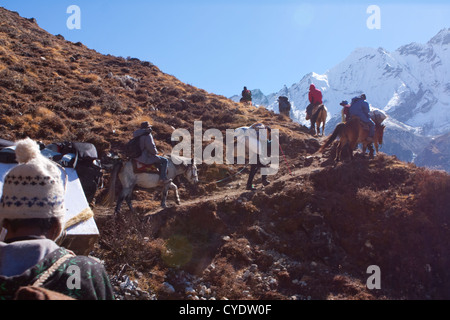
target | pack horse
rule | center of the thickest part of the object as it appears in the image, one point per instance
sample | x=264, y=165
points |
x=130, y=179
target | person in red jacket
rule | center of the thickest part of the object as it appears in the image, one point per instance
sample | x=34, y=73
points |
x=315, y=95
x=315, y=100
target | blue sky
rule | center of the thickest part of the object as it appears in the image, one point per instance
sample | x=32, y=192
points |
x=223, y=45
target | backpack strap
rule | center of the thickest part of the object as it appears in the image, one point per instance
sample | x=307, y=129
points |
x=50, y=271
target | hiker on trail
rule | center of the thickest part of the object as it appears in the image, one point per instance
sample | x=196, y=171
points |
x=246, y=95
x=360, y=108
x=315, y=100
x=254, y=167
x=345, y=110
x=149, y=151
x=32, y=211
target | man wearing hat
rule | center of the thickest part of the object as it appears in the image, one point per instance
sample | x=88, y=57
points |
x=149, y=151
x=32, y=211
x=345, y=110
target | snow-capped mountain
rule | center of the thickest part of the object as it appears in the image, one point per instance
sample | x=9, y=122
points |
x=411, y=85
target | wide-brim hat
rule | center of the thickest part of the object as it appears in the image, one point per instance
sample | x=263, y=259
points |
x=146, y=125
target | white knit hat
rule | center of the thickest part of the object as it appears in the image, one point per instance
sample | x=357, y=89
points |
x=34, y=188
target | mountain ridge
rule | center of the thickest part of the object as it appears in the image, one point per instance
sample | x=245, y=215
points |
x=411, y=85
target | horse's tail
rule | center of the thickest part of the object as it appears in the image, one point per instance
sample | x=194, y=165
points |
x=110, y=197
x=337, y=132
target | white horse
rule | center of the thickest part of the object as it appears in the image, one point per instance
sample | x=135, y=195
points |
x=129, y=180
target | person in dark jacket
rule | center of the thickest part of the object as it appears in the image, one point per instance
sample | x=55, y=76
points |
x=149, y=151
x=361, y=109
x=32, y=211
x=246, y=95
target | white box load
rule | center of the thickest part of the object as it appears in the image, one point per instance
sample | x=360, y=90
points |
x=81, y=230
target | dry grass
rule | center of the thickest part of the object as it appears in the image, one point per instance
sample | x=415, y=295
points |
x=310, y=236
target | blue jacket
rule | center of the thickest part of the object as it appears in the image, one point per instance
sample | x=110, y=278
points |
x=360, y=108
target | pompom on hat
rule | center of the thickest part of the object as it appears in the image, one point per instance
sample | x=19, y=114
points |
x=34, y=188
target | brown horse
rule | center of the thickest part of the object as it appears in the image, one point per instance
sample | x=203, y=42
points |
x=350, y=134
x=317, y=117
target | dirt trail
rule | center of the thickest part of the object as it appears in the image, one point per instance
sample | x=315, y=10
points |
x=237, y=187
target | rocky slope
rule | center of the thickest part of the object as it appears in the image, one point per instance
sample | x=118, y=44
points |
x=311, y=234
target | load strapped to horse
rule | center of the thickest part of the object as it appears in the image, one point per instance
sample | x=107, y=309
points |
x=84, y=158
x=81, y=156
x=80, y=165
x=284, y=106
x=354, y=132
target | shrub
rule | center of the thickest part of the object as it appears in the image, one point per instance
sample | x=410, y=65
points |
x=433, y=191
x=89, y=78
x=172, y=91
x=96, y=90
x=197, y=97
x=30, y=89
x=112, y=104
x=78, y=114
x=54, y=123
x=80, y=102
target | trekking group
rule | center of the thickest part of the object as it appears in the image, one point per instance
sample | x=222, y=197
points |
x=33, y=265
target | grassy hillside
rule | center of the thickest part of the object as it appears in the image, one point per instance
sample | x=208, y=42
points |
x=311, y=234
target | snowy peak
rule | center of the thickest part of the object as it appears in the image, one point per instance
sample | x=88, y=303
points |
x=411, y=85
x=441, y=39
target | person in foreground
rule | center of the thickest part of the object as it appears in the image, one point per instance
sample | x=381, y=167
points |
x=32, y=210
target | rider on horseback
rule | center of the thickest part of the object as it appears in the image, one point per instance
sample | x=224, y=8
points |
x=315, y=100
x=149, y=151
x=360, y=108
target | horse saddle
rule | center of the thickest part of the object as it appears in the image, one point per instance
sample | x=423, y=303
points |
x=364, y=125
x=139, y=167
x=312, y=110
